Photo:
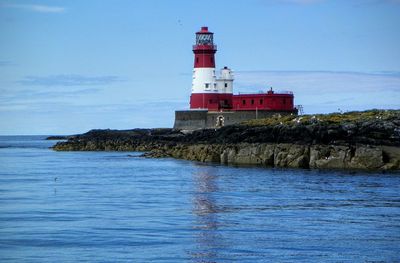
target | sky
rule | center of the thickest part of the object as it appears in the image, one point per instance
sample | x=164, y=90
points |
x=70, y=66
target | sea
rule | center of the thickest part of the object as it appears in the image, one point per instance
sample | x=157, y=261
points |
x=120, y=207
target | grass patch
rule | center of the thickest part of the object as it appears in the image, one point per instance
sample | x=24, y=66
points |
x=332, y=118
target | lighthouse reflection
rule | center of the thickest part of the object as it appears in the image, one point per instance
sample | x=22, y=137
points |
x=207, y=238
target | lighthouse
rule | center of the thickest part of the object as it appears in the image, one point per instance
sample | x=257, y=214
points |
x=212, y=102
x=208, y=92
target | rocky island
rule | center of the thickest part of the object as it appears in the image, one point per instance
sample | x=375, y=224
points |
x=354, y=140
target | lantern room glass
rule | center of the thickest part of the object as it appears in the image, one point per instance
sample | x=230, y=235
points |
x=204, y=39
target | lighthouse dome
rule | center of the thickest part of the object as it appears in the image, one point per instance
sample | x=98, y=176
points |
x=226, y=73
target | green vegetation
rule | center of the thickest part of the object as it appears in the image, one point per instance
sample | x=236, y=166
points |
x=332, y=118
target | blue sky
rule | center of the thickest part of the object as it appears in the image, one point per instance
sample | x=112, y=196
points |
x=71, y=66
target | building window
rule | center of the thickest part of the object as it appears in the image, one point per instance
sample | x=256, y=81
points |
x=252, y=102
x=207, y=85
x=226, y=85
x=244, y=102
x=284, y=101
x=261, y=101
x=197, y=60
x=226, y=102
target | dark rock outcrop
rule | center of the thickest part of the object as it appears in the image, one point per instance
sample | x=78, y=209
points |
x=58, y=137
x=360, y=140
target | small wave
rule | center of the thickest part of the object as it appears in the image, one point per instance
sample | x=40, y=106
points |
x=6, y=146
x=24, y=146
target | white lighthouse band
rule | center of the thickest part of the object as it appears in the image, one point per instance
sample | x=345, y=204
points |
x=205, y=81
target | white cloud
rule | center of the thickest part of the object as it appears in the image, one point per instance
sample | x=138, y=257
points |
x=38, y=8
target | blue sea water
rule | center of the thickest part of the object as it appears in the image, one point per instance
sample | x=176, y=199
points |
x=118, y=207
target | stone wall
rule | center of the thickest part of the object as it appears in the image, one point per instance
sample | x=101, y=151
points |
x=190, y=120
x=203, y=119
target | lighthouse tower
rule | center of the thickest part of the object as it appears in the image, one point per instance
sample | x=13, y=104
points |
x=208, y=92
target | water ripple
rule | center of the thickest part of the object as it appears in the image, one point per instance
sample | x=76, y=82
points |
x=105, y=206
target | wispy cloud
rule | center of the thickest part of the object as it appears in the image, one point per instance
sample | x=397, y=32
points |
x=5, y=63
x=326, y=91
x=37, y=8
x=70, y=117
x=316, y=81
x=312, y=2
x=302, y=2
x=68, y=80
x=309, y=2
x=294, y=2
x=393, y=1
x=43, y=97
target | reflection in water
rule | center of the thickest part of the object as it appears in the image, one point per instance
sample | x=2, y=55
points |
x=206, y=211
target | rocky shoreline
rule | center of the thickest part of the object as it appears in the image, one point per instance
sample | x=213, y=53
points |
x=358, y=140
x=57, y=137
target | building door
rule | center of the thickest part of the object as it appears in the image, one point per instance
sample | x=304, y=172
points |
x=220, y=121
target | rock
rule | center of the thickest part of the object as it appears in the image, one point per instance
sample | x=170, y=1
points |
x=391, y=158
x=329, y=157
x=58, y=137
x=367, y=157
x=358, y=140
x=267, y=152
x=228, y=155
x=291, y=155
x=248, y=154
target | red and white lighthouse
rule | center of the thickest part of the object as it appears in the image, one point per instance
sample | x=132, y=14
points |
x=208, y=92
x=213, y=93
x=212, y=103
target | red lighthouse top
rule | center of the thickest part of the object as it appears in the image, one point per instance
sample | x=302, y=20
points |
x=204, y=49
x=204, y=30
x=204, y=38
